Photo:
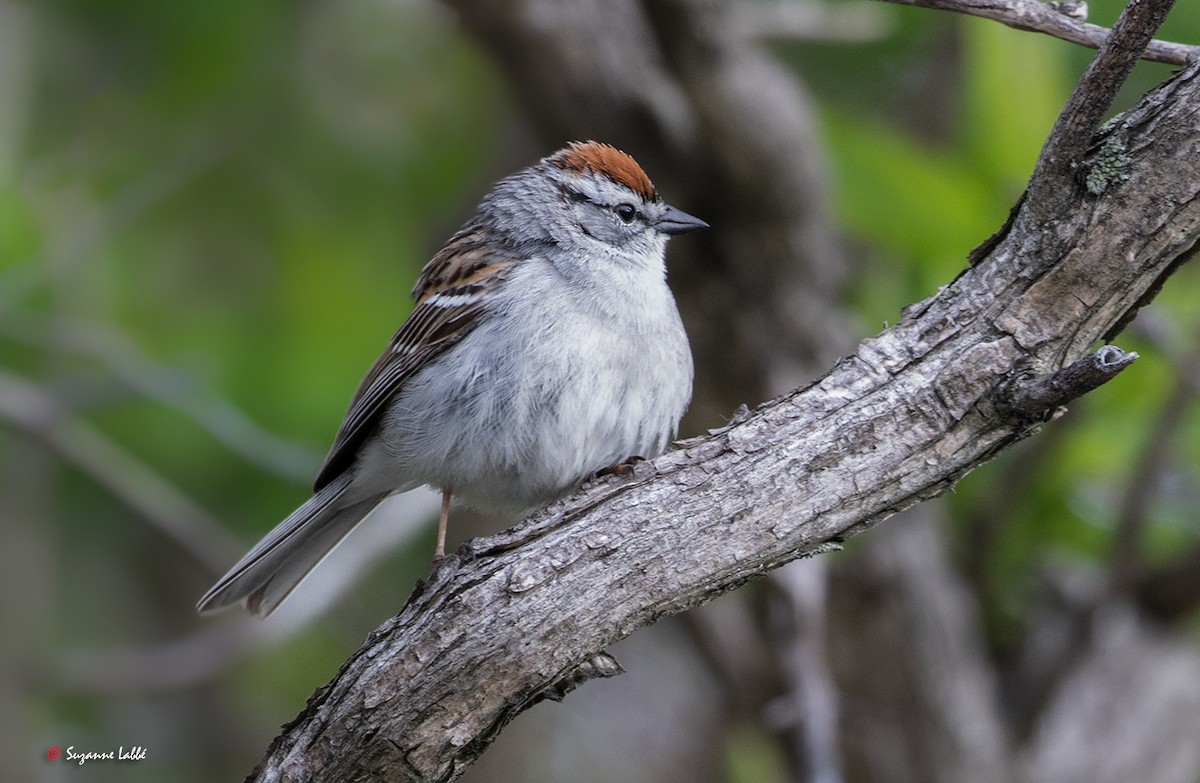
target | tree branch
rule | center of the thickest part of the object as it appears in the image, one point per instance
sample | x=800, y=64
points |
x=1063, y=20
x=512, y=618
x=1057, y=168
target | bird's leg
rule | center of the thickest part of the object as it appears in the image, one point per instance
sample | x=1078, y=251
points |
x=443, y=518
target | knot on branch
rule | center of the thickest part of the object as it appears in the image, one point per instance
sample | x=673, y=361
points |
x=1035, y=396
x=599, y=665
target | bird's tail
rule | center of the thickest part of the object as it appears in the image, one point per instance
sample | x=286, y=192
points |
x=272, y=569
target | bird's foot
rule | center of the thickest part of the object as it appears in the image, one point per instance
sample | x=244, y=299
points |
x=623, y=469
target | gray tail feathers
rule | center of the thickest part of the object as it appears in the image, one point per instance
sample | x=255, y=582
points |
x=272, y=569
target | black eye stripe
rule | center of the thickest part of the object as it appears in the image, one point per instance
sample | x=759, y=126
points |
x=624, y=211
x=575, y=195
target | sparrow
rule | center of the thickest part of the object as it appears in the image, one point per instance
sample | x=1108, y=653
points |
x=544, y=346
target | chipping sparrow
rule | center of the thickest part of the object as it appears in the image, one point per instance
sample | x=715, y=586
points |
x=544, y=346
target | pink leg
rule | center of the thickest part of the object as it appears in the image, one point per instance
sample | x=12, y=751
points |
x=440, y=551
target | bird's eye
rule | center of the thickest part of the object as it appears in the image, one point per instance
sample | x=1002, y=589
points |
x=627, y=212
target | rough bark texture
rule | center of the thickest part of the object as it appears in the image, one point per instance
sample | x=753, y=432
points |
x=525, y=615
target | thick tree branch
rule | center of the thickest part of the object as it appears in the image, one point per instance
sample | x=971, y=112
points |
x=1063, y=20
x=511, y=619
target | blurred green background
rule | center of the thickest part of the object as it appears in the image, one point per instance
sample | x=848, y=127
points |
x=211, y=214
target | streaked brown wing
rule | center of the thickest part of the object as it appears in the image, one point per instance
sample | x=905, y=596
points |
x=450, y=295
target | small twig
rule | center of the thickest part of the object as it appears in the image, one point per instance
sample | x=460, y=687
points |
x=1059, y=20
x=1035, y=396
x=1054, y=176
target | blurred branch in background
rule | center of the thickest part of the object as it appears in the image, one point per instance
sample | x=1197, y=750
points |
x=807, y=712
x=816, y=20
x=1166, y=592
x=1146, y=480
x=31, y=409
x=1171, y=594
x=1130, y=689
x=920, y=695
x=124, y=363
x=80, y=238
x=215, y=646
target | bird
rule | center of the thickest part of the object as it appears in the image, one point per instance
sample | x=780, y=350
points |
x=544, y=346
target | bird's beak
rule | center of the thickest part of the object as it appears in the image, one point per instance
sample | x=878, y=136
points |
x=676, y=221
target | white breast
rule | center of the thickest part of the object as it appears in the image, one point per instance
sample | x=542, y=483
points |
x=546, y=390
